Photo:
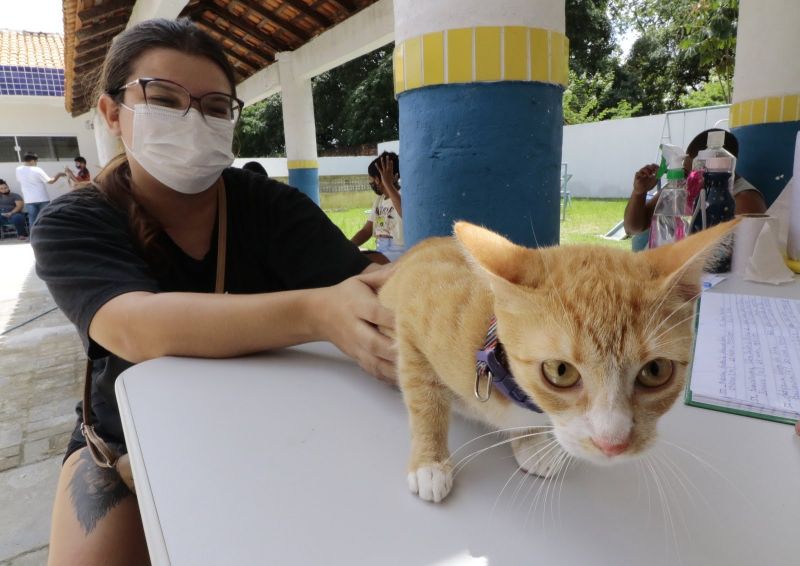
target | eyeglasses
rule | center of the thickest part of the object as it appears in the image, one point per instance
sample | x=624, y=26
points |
x=163, y=93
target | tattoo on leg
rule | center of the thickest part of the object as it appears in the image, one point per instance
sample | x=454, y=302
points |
x=95, y=491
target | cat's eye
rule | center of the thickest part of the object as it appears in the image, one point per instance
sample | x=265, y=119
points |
x=560, y=373
x=655, y=372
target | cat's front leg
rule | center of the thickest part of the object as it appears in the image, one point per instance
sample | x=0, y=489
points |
x=430, y=474
x=538, y=453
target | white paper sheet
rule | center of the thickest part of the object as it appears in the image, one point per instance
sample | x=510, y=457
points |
x=747, y=353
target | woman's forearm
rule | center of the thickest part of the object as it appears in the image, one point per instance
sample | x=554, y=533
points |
x=635, y=217
x=140, y=326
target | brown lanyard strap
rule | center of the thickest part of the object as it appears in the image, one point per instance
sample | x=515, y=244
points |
x=103, y=455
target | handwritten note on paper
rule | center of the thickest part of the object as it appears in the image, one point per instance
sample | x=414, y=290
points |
x=747, y=353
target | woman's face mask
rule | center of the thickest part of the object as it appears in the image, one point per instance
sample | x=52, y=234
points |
x=186, y=153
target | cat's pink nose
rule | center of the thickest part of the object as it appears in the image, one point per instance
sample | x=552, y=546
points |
x=611, y=448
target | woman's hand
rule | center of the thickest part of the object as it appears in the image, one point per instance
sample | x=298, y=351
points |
x=351, y=317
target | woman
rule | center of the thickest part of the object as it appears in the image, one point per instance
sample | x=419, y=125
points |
x=132, y=262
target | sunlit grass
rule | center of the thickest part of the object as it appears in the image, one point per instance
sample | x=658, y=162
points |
x=587, y=219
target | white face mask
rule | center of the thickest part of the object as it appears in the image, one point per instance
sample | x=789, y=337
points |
x=186, y=153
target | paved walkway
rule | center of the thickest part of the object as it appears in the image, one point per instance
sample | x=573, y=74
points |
x=40, y=381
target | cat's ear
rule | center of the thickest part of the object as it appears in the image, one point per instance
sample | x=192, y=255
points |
x=498, y=256
x=682, y=263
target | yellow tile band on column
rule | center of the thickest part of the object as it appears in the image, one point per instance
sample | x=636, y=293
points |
x=302, y=164
x=481, y=54
x=766, y=110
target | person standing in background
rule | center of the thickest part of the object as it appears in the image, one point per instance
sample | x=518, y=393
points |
x=81, y=174
x=33, y=181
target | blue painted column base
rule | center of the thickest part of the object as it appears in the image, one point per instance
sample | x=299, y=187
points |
x=306, y=181
x=766, y=155
x=489, y=153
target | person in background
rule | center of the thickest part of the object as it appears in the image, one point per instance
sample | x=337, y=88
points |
x=255, y=167
x=640, y=207
x=81, y=174
x=11, y=210
x=131, y=260
x=33, y=181
x=386, y=216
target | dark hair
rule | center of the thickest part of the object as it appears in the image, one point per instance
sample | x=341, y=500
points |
x=30, y=157
x=372, y=170
x=700, y=141
x=80, y=159
x=255, y=167
x=3, y=182
x=114, y=180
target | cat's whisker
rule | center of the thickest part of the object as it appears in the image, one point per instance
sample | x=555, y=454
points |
x=467, y=459
x=677, y=309
x=666, y=513
x=554, y=482
x=543, y=451
x=570, y=459
x=685, y=481
x=664, y=466
x=514, y=473
x=542, y=484
x=713, y=469
x=662, y=334
x=499, y=431
x=676, y=278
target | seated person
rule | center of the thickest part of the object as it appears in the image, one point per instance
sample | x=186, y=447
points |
x=255, y=167
x=640, y=208
x=81, y=175
x=11, y=210
x=386, y=216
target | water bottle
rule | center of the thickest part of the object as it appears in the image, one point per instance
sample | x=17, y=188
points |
x=672, y=216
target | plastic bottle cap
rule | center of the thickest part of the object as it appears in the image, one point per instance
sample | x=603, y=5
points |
x=719, y=163
x=716, y=139
x=676, y=174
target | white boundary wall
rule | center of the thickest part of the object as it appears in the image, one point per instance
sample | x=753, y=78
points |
x=602, y=157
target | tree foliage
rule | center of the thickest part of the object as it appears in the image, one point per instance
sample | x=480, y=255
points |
x=683, y=58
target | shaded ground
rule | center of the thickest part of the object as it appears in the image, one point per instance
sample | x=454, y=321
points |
x=40, y=376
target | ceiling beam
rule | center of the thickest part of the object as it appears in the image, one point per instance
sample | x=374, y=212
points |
x=236, y=21
x=105, y=9
x=218, y=36
x=304, y=8
x=276, y=19
x=114, y=23
x=346, y=5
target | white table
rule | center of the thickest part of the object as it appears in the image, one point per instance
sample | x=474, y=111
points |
x=298, y=458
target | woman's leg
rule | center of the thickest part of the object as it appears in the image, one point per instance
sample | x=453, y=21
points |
x=95, y=517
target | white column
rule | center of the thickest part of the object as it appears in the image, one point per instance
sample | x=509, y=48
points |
x=299, y=129
x=149, y=9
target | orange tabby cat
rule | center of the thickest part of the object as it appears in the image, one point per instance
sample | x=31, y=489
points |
x=598, y=338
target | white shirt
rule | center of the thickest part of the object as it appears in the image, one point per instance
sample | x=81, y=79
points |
x=32, y=180
x=386, y=223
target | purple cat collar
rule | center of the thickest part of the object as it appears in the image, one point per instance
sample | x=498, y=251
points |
x=490, y=365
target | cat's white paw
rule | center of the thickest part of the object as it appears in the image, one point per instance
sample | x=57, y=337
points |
x=431, y=483
x=537, y=455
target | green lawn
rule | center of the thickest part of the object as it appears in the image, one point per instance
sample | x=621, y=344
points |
x=587, y=219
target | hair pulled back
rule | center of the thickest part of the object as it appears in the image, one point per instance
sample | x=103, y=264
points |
x=114, y=180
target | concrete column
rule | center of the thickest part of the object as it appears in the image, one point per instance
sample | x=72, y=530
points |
x=298, y=129
x=479, y=85
x=765, y=114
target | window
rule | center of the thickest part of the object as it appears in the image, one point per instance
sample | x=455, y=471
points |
x=56, y=148
x=8, y=149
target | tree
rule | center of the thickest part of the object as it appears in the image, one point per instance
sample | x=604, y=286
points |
x=259, y=132
x=583, y=96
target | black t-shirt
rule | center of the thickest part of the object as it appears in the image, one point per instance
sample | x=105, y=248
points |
x=277, y=240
